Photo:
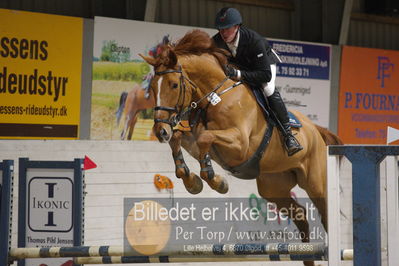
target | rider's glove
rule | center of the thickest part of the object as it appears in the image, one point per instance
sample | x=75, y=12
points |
x=231, y=72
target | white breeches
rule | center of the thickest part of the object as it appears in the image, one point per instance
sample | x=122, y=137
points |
x=271, y=85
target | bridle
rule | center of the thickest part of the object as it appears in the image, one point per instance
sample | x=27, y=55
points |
x=179, y=110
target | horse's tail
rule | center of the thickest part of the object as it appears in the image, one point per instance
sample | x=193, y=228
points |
x=122, y=101
x=329, y=137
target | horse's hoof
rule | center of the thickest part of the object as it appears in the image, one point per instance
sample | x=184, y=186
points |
x=196, y=186
x=223, y=187
x=182, y=172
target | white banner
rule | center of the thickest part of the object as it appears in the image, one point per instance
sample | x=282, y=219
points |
x=304, y=78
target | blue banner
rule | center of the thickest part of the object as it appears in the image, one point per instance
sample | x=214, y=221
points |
x=302, y=60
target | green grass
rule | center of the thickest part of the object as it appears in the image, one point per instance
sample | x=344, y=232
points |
x=130, y=71
x=107, y=100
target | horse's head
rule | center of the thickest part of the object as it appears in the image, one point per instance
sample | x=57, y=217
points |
x=172, y=88
x=170, y=91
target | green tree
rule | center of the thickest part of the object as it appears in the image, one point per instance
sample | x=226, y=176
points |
x=106, y=50
x=112, y=52
x=124, y=56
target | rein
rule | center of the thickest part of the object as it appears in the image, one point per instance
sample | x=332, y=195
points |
x=179, y=110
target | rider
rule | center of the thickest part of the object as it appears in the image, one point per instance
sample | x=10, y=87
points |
x=154, y=52
x=146, y=84
x=256, y=65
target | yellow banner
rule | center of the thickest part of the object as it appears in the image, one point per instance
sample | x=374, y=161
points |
x=40, y=75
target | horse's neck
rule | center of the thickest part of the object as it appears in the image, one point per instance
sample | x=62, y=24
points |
x=204, y=71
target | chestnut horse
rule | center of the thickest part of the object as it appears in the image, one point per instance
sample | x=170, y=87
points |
x=130, y=104
x=231, y=131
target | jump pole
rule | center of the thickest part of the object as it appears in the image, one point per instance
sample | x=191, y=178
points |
x=271, y=249
x=255, y=252
x=345, y=255
x=185, y=259
x=267, y=252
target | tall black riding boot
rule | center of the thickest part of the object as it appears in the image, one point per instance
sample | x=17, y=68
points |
x=278, y=107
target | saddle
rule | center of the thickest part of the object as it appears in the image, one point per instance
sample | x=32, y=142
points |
x=264, y=105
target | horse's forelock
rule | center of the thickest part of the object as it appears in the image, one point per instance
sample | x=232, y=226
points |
x=163, y=56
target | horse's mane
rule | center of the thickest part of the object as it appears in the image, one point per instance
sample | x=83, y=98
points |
x=198, y=42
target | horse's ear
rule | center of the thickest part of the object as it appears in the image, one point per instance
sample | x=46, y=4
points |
x=150, y=60
x=171, y=59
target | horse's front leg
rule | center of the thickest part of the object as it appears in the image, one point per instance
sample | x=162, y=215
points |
x=229, y=140
x=191, y=181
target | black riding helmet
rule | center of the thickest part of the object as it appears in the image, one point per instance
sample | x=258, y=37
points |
x=227, y=17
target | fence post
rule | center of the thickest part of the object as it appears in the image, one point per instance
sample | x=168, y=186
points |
x=366, y=199
x=6, y=178
x=333, y=207
x=392, y=209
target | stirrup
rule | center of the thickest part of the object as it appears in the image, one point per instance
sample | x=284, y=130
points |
x=294, y=148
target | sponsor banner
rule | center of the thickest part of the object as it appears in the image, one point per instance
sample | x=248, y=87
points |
x=49, y=218
x=50, y=207
x=40, y=75
x=303, y=78
x=303, y=60
x=369, y=96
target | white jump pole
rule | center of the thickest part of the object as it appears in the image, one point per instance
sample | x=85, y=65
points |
x=333, y=210
x=392, y=209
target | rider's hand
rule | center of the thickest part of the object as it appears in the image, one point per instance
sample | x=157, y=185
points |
x=231, y=72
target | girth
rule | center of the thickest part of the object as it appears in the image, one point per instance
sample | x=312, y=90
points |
x=250, y=169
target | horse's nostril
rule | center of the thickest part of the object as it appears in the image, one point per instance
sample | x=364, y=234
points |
x=163, y=132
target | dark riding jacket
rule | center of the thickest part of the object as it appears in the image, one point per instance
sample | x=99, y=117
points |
x=253, y=57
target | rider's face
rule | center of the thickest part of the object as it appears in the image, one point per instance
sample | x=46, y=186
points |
x=229, y=34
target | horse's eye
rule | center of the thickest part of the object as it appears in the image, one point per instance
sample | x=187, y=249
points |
x=175, y=85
